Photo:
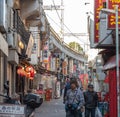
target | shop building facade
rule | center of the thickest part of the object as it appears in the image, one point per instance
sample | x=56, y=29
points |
x=31, y=52
x=104, y=38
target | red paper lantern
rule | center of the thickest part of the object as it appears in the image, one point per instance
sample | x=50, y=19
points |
x=32, y=69
x=19, y=71
x=28, y=68
x=32, y=73
x=22, y=72
x=28, y=75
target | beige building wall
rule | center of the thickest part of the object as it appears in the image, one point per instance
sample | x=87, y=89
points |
x=3, y=53
x=1, y=75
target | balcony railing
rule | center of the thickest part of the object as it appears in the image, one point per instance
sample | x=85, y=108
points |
x=20, y=28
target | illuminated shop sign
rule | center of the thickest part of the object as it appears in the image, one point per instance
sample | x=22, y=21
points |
x=111, y=17
x=97, y=7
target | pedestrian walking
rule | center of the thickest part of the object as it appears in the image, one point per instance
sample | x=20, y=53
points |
x=80, y=88
x=67, y=87
x=61, y=88
x=6, y=87
x=74, y=100
x=91, y=100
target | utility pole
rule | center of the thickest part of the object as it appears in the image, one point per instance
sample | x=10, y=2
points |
x=62, y=22
x=61, y=8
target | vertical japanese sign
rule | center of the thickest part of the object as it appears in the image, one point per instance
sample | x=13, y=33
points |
x=111, y=17
x=97, y=7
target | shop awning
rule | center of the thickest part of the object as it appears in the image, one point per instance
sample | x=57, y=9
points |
x=111, y=63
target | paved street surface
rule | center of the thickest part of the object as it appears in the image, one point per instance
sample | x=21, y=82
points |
x=53, y=108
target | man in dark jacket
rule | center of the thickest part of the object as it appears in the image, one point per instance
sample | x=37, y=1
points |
x=91, y=99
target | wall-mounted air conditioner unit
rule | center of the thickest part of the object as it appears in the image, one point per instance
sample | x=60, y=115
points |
x=3, y=23
x=10, y=40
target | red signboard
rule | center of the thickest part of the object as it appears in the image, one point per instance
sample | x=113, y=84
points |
x=97, y=7
x=111, y=17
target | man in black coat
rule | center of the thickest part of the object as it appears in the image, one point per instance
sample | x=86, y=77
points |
x=91, y=100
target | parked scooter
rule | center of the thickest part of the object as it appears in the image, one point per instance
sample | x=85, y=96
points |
x=32, y=101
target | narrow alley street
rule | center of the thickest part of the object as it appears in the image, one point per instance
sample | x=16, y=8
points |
x=47, y=46
x=53, y=108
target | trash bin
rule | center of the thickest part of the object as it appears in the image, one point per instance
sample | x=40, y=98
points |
x=47, y=94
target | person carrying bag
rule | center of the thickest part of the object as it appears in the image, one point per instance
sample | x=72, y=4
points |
x=74, y=101
x=98, y=113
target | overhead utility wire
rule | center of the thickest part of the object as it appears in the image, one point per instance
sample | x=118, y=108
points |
x=74, y=35
x=65, y=25
x=56, y=10
x=53, y=21
x=56, y=23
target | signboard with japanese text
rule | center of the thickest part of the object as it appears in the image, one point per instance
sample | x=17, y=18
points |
x=97, y=7
x=64, y=67
x=10, y=110
x=30, y=46
x=8, y=115
x=111, y=17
